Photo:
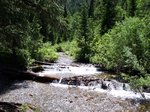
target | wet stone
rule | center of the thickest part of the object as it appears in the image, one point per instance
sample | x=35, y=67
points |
x=93, y=81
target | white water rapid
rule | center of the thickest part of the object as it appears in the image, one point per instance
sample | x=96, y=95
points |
x=65, y=68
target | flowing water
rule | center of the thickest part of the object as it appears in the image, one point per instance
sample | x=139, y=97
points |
x=89, y=77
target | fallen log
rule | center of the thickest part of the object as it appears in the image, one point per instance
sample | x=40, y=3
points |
x=14, y=73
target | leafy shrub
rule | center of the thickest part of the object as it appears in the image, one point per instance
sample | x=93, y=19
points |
x=70, y=48
x=47, y=53
x=23, y=58
x=140, y=82
x=125, y=47
x=103, y=51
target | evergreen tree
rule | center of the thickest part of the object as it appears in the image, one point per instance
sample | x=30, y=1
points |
x=65, y=11
x=108, y=20
x=99, y=10
x=84, y=38
x=20, y=25
x=132, y=7
x=143, y=8
x=91, y=8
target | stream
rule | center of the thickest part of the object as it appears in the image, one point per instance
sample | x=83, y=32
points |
x=88, y=77
x=73, y=87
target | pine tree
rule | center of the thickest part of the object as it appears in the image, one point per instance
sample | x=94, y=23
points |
x=65, y=11
x=143, y=8
x=91, y=9
x=20, y=25
x=132, y=7
x=99, y=10
x=108, y=20
x=84, y=38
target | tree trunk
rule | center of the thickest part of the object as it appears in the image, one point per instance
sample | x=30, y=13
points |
x=13, y=73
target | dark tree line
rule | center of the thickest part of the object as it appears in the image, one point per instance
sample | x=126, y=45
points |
x=24, y=26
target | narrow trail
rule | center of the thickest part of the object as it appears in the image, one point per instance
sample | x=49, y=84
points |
x=58, y=97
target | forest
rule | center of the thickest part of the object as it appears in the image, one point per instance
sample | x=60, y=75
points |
x=114, y=34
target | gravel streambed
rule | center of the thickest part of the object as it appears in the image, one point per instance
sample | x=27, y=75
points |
x=48, y=98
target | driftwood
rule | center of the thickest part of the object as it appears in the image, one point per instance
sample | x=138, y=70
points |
x=14, y=73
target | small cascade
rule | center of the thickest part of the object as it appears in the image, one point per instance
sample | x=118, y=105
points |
x=60, y=80
x=69, y=70
x=87, y=76
x=93, y=81
x=112, y=87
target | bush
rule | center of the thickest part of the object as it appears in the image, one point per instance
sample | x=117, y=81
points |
x=23, y=58
x=125, y=47
x=103, y=51
x=140, y=82
x=47, y=53
x=70, y=48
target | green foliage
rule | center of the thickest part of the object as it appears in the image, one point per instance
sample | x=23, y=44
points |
x=101, y=54
x=109, y=36
x=84, y=38
x=120, y=13
x=124, y=47
x=76, y=5
x=109, y=15
x=91, y=9
x=70, y=48
x=24, y=24
x=143, y=8
x=99, y=31
x=74, y=25
x=28, y=107
x=23, y=58
x=46, y=53
x=140, y=82
x=132, y=7
x=137, y=82
x=99, y=10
